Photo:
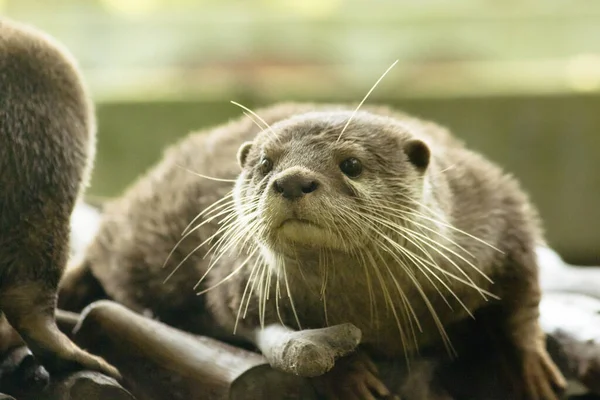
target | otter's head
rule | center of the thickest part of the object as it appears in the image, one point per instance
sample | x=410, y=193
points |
x=303, y=189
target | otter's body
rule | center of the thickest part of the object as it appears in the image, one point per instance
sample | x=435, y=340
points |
x=47, y=143
x=403, y=250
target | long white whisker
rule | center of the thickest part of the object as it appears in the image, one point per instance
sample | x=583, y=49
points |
x=228, y=277
x=287, y=286
x=250, y=278
x=205, y=176
x=411, y=234
x=213, y=205
x=257, y=116
x=365, y=98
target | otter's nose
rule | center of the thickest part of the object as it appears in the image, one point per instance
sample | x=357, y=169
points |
x=295, y=185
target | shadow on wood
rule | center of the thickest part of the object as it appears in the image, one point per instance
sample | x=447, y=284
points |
x=160, y=362
x=87, y=385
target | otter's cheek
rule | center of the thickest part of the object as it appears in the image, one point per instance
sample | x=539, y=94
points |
x=275, y=209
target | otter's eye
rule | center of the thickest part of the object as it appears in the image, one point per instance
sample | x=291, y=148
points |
x=266, y=165
x=351, y=167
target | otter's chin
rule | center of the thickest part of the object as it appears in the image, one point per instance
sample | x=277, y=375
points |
x=302, y=231
x=294, y=233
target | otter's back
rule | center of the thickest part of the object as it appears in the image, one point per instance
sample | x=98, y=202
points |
x=46, y=124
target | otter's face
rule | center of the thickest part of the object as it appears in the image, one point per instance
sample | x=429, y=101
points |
x=302, y=188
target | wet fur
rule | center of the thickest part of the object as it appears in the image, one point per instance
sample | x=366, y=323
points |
x=47, y=144
x=140, y=228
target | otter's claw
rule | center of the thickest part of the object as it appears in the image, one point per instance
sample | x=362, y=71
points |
x=543, y=380
x=56, y=351
x=354, y=377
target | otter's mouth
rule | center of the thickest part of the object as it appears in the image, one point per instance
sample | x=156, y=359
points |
x=297, y=221
x=300, y=230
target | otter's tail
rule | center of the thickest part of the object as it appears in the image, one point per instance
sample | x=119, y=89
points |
x=79, y=288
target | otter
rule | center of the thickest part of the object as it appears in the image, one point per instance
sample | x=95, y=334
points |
x=312, y=230
x=47, y=144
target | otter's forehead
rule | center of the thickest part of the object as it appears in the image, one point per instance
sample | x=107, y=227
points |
x=323, y=129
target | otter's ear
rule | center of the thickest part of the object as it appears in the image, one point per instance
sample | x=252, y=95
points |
x=243, y=153
x=418, y=153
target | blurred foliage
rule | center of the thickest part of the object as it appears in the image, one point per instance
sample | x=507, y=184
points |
x=519, y=80
x=140, y=49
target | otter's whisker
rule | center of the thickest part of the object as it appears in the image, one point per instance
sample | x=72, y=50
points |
x=449, y=226
x=408, y=310
x=262, y=128
x=323, y=268
x=228, y=277
x=261, y=267
x=409, y=234
x=415, y=282
x=250, y=277
x=357, y=226
x=432, y=311
x=266, y=294
x=184, y=236
x=278, y=297
x=257, y=116
x=228, y=210
x=391, y=305
x=445, y=224
x=425, y=237
x=402, y=265
x=214, y=261
x=190, y=254
x=421, y=264
x=398, y=213
x=365, y=98
x=205, y=176
x=447, y=168
x=261, y=293
x=417, y=261
x=226, y=197
x=287, y=286
x=231, y=225
x=243, y=233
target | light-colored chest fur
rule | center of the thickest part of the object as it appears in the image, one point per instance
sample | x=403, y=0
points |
x=396, y=308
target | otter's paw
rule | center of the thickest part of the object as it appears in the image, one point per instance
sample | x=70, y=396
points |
x=58, y=353
x=353, y=378
x=542, y=378
x=72, y=358
x=313, y=352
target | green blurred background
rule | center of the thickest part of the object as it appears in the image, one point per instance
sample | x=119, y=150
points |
x=519, y=80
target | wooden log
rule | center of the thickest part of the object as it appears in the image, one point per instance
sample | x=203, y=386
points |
x=573, y=322
x=160, y=362
x=87, y=385
x=21, y=374
x=24, y=378
x=67, y=321
x=570, y=315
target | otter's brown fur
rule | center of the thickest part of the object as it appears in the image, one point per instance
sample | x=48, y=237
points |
x=410, y=166
x=47, y=144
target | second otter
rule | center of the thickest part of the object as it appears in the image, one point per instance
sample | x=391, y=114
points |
x=47, y=145
x=391, y=231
